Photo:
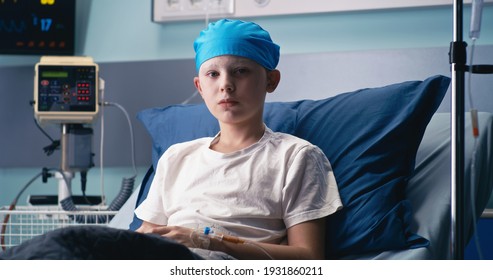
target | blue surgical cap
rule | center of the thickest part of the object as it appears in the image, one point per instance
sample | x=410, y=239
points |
x=239, y=38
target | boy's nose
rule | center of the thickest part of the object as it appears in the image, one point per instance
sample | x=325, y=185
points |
x=227, y=84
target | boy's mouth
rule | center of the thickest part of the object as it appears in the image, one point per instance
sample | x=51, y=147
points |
x=227, y=102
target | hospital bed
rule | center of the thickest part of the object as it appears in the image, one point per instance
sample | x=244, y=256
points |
x=390, y=151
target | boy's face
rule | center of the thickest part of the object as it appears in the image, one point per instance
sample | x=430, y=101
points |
x=234, y=88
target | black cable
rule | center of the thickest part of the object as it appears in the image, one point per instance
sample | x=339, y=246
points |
x=83, y=183
x=55, y=144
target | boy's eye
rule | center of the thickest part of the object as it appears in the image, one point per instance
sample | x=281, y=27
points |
x=241, y=70
x=212, y=74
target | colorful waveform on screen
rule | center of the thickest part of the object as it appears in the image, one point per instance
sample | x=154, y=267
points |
x=12, y=26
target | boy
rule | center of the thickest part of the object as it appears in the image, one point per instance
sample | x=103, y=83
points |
x=264, y=194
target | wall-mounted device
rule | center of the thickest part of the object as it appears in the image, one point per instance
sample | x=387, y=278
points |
x=181, y=10
x=66, y=89
x=37, y=27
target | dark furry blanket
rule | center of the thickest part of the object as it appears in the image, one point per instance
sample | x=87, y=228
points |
x=97, y=243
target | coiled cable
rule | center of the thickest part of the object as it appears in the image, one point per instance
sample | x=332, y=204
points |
x=125, y=192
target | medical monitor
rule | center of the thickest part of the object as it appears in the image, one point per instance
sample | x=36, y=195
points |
x=37, y=27
x=66, y=89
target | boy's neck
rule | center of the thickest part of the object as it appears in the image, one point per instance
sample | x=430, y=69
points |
x=234, y=138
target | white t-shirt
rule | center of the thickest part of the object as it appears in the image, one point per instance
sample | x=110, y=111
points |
x=255, y=193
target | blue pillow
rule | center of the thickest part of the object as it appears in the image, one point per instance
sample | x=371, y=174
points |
x=370, y=136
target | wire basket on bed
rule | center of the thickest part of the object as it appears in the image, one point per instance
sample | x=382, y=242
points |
x=26, y=222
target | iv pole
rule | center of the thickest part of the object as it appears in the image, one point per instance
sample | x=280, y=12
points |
x=458, y=61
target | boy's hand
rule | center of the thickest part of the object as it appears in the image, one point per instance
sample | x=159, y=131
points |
x=181, y=235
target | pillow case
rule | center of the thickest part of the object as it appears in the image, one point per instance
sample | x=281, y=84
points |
x=370, y=137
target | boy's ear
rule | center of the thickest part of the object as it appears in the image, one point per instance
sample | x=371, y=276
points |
x=273, y=79
x=196, y=82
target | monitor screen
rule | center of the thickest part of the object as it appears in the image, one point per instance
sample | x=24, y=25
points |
x=37, y=27
x=64, y=88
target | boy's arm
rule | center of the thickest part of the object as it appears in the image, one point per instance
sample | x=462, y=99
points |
x=305, y=241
